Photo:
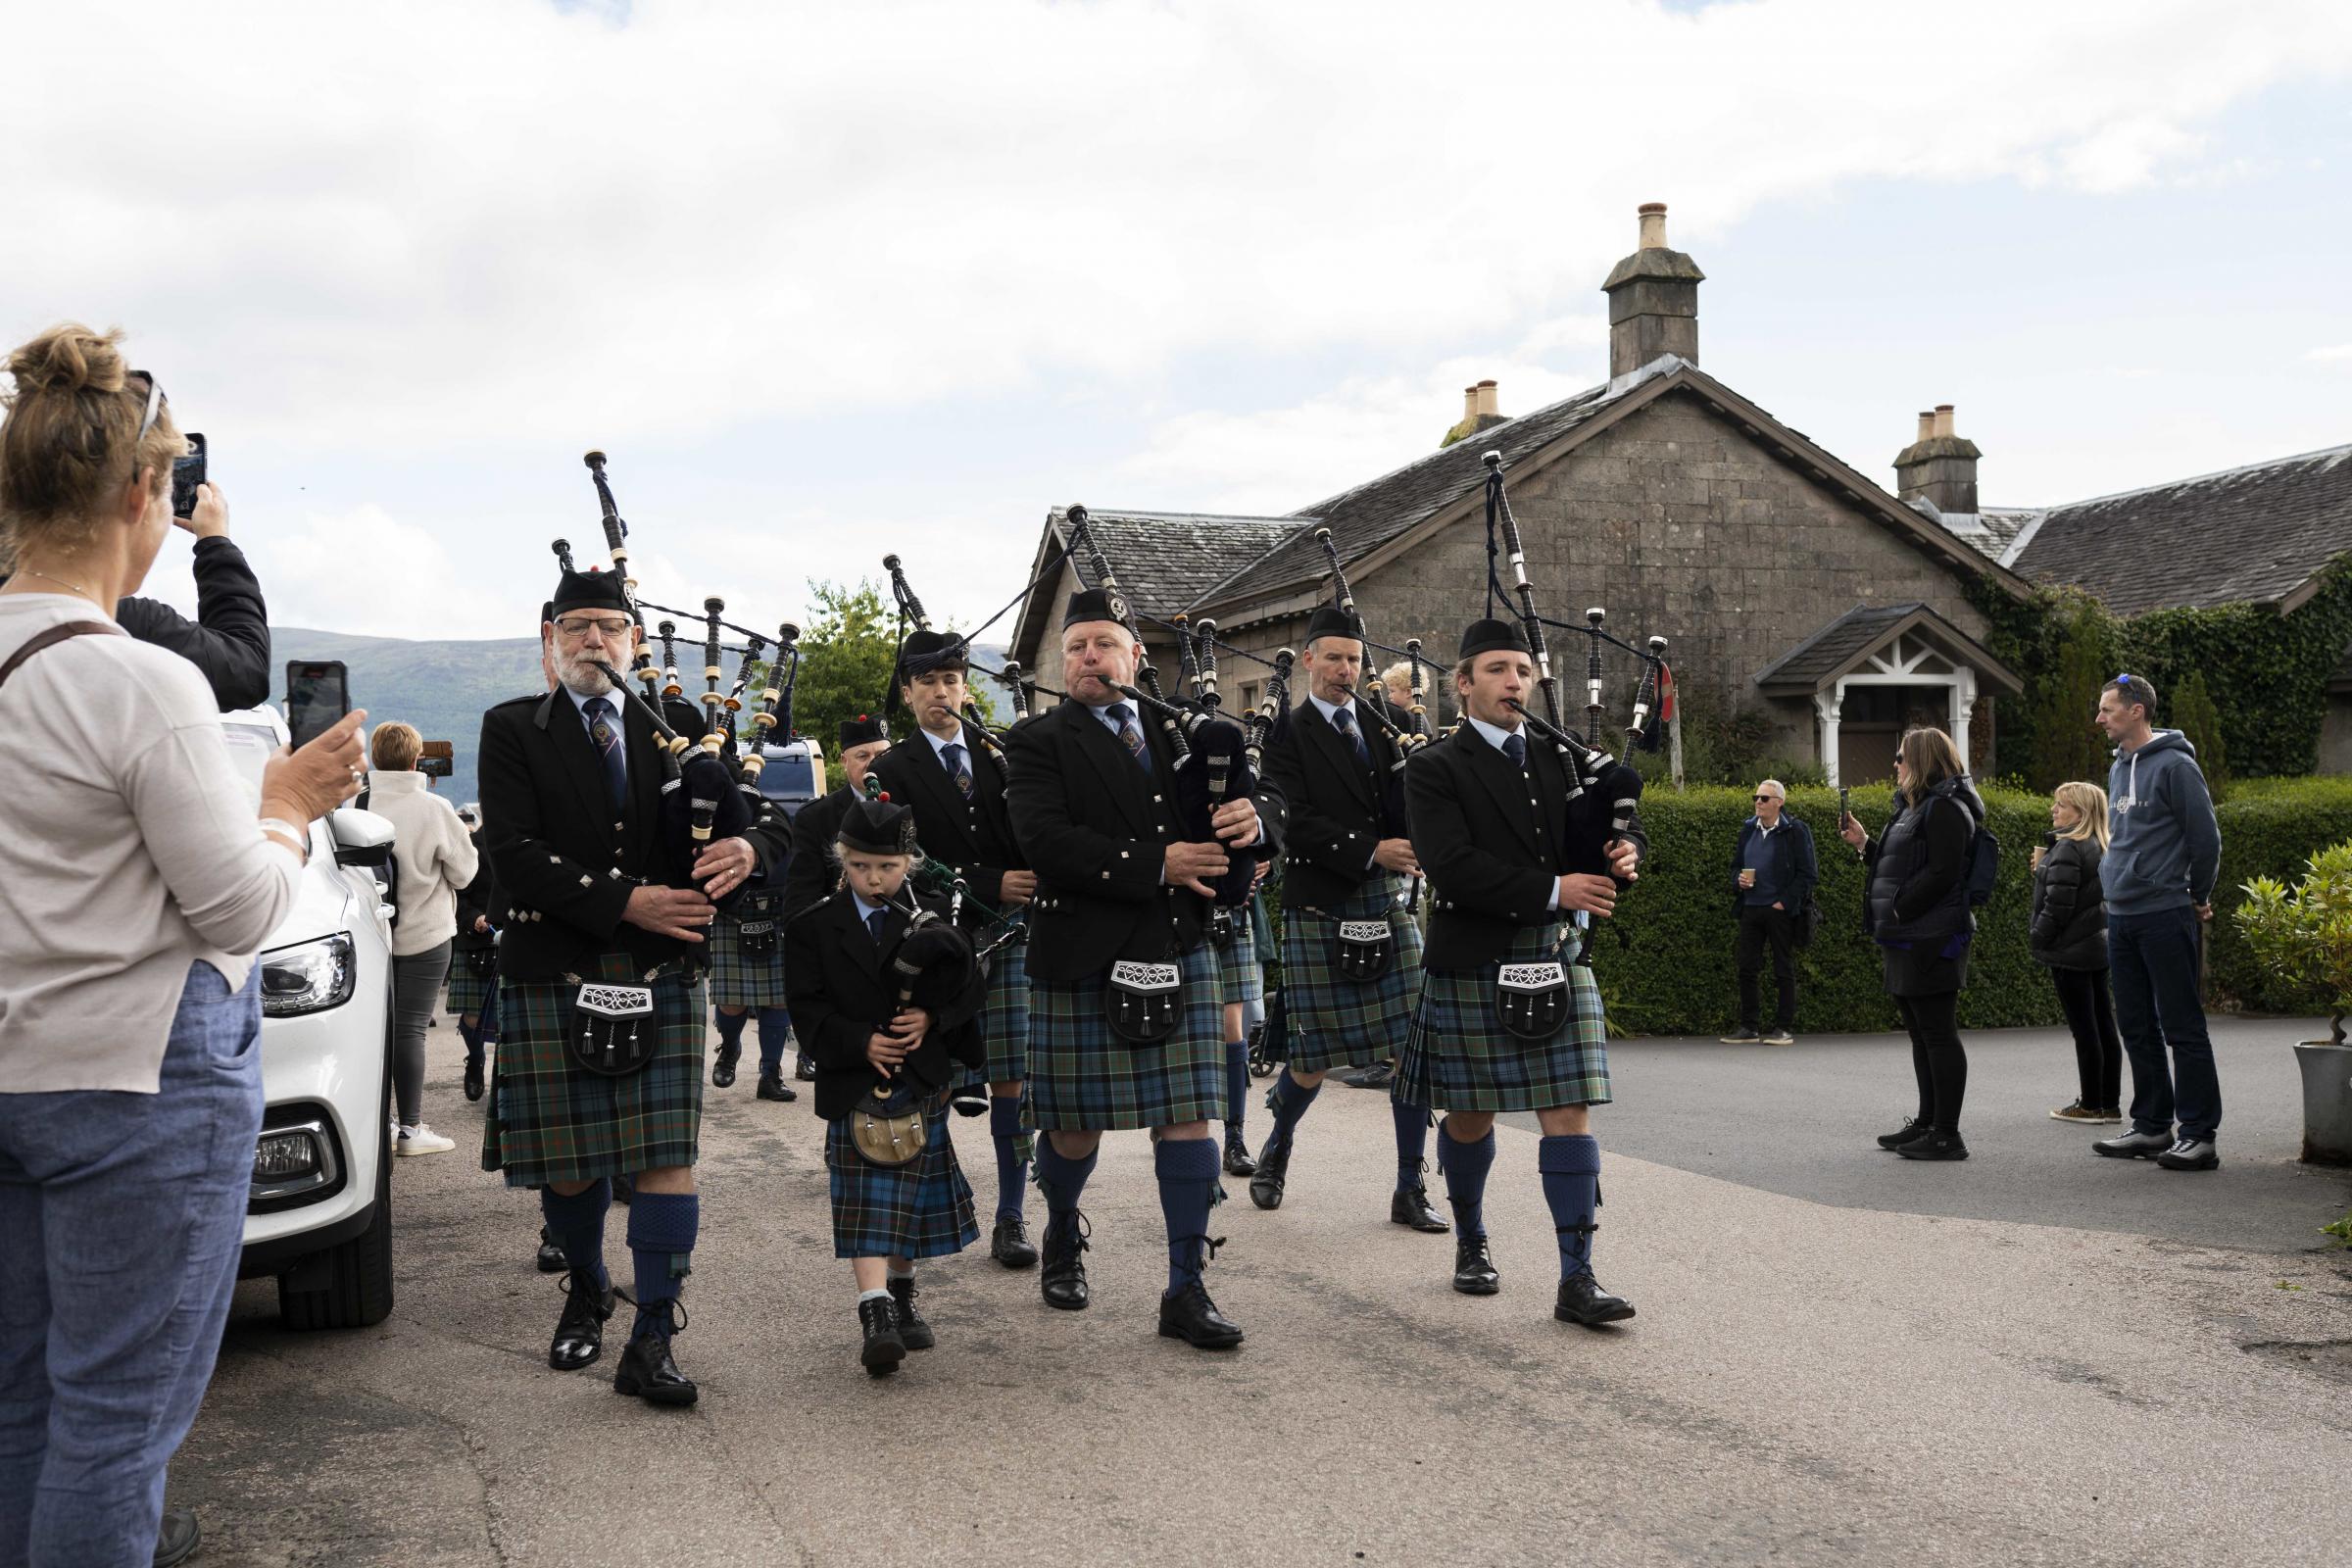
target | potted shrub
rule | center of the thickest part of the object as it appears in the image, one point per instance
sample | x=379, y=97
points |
x=2304, y=935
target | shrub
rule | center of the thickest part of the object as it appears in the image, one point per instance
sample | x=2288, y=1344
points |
x=2302, y=936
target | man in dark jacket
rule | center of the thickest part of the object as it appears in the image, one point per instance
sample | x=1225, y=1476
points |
x=1772, y=874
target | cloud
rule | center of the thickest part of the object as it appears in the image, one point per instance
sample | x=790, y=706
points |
x=365, y=572
x=2336, y=352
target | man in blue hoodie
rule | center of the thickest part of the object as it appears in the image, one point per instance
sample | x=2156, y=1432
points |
x=2159, y=874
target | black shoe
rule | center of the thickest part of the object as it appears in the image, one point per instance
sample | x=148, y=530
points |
x=1582, y=1300
x=1273, y=1173
x=1190, y=1317
x=968, y=1099
x=1742, y=1036
x=1410, y=1207
x=911, y=1327
x=804, y=1067
x=551, y=1255
x=2135, y=1144
x=1474, y=1271
x=473, y=1077
x=624, y=1187
x=1061, y=1270
x=1379, y=1075
x=773, y=1087
x=580, y=1331
x=646, y=1369
x=1237, y=1154
x=1009, y=1243
x=884, y=1349
x=1932, y=1145
x=2191, y=1154
x=177, y=1542
x=723, y=1066
x=1905, y=1133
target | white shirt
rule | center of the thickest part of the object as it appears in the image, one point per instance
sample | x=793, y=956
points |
x=940, y=745
x=1331, y=711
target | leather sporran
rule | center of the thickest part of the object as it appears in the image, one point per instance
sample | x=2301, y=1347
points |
x=481, y=962
x=611, y=1030
x=756, y=923
x=887, y=1138
x=1366, y=949
x=1531, y=1000
x=1143, y=1000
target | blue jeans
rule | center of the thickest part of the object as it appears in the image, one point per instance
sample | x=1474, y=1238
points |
x=2152, y=967
x=122, y=1220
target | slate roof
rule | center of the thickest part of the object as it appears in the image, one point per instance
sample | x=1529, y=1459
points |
x=1169, y=560
x=2255, y=533
x=1838, y=647
x=1988, y=532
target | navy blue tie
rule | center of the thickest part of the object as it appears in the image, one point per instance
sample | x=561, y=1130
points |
x=1131, y=735
x=873, y=923
x=958, y=769
x=1344, y=718
x=1514, y=747
x=607, y=736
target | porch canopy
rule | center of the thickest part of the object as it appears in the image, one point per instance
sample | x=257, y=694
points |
x=1874, y=672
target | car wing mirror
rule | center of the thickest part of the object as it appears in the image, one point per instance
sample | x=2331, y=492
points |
x=360, y=838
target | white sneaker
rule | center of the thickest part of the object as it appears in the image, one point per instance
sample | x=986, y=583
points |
x=422, y=1139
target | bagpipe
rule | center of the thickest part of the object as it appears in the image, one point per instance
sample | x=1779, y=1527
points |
x=997, y=927
x=1406, y=742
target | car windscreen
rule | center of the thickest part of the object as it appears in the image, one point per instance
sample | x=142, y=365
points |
x=249, y=749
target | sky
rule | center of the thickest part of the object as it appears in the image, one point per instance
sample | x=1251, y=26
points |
x=828, y=282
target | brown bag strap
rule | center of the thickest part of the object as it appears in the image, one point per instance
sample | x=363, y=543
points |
x=56, y=634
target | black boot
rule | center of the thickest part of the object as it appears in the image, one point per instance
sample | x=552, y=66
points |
x=646, y=1368
x=884, y=1348
x=1411, y=1209
x=1582, y=1300
x=473, y=1076
x=580, y=1331
x=1474, y=1271
x=723, y=1066
x=1009, y=1243
x=911, y=1327
x=1187, y=1315
x=1237, y=1153
x=773, y=1087
x=1273, y=1173
x=551, y=1254
x=804, y=1067
x=1061, y=1270
x=177, y=1542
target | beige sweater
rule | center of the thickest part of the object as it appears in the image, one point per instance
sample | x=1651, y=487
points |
x=434, y=854
x=129, y=851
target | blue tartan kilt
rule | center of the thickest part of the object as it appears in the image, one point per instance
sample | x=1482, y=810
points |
x=735, y=978
x=1333, y=1021
x=550, y=1121
x=1458, y=1056
x=467, y=991
x=1241, y=977
x=1004, y=1016
x=1083, y=1077
x=923, y=1208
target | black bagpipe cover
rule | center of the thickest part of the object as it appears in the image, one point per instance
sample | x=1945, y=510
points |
x=1217, y=744
x=935, y=962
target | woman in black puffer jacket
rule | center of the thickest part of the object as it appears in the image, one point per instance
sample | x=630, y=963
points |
x=2070, y=938
x=1917, y=911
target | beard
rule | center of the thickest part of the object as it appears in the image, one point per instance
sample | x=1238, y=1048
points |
x=579, y=675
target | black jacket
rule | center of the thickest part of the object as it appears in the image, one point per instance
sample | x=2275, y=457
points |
x=814, y=870
x=973, y=836
x=229, y=639
x=1094, y=825
x=2069, y=906
x=478, y=897
x=1338, y=807
x=1791, y=845
x=565, y=865
x=835, y=986
x=1918, y=890
x=1495, y=841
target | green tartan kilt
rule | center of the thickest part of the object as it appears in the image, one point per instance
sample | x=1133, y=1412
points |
x=1083, y=1077
x=1241, y=977
x=1457, y=1057
x=550, y=1121
x=1333, y=1021
x=1004, y=1016
x=923, y=1208
x=467, y=991
x=735, y=979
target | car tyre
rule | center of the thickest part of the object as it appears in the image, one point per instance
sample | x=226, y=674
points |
x=358, y=1293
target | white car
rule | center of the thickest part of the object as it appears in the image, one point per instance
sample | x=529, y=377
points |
x=320, y=1216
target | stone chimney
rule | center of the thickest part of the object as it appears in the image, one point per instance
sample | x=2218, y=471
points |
x=1654, y=300
x=1480, y=408
x=1939, y=466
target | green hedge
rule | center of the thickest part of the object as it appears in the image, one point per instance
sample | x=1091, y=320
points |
x=1665, y=963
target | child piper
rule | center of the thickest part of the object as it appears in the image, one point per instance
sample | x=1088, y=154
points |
x=884, y=1067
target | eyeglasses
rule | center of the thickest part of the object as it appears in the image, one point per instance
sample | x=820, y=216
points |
x=1768, y=796
x=580, y=628
x=154, y=406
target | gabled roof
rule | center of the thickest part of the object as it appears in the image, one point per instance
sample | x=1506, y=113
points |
x=1838, y=649
x=2260, y=533
x=1989, y=532
x=1166, y=561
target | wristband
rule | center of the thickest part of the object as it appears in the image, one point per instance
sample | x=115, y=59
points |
x=279, y=824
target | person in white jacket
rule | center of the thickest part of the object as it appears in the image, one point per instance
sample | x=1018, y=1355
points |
x=436, y=856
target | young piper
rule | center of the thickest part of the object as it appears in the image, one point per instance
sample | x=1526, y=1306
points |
x=877, y=1056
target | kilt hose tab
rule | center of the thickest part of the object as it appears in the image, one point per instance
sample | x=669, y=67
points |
x=1330, y=1020
x=923, y=1208
x=1458, y=1056
x=737, y=979
x=1083, y=1077
x=550, y=1121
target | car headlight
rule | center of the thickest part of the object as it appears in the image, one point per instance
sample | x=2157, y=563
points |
x=308, y=977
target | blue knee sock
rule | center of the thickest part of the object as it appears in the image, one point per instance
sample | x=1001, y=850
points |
x=1188, y=1186
x=1004, y=1130
x=775, y=1033
x=1465, y=1167
x=661, y=1230
x=730, y=1030
x=577, y=1224
x=472, y=1036
x=1288, y=1099
x=1571, y=1167
x=1412, y=1142
x=1237, y=1082
x=1063, y=1181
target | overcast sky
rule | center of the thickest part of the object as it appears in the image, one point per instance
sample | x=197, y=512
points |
x=831, y=281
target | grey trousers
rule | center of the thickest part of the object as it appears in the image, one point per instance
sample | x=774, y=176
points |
x=415, y=989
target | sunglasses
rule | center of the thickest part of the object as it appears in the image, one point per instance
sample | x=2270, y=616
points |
x=1768, y=796
x=155, y=405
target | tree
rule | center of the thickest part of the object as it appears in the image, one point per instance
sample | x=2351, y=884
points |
x=2195, y=716
x=2066, y=743
x=848, y=657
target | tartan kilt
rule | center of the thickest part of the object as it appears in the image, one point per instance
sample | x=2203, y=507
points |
x=1241, y=977
x=1083, y=1077
x=1333, y=1021
x=550, y=1121
x=734, y=978
x=467, y=991
x=1457, y=1057
x=923, y=1208
x=1004, y=1015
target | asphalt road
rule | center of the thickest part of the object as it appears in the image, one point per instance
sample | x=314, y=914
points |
x=1830, y=1365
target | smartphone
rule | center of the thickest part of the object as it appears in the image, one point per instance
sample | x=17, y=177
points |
x=186, y=474
x=438, y=759
x=317, y=694
x=1846, y=802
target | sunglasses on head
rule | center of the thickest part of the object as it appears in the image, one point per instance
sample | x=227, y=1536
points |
x=155, y=405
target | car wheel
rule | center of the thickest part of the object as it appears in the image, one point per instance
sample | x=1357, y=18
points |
x=358, y=1292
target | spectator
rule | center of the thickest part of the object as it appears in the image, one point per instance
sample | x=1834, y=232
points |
x=1397, y=678
x=473, y=964
x=1773, y=875
x=136, y=882
x=436, y=856
x=2070, y=938
x=1916, y=911
x=2164, y=853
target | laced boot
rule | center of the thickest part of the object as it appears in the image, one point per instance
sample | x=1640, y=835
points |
x=646, y=1368
x=1187, y=1315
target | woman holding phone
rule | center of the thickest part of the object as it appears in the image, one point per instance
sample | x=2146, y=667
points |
x=137, y=881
